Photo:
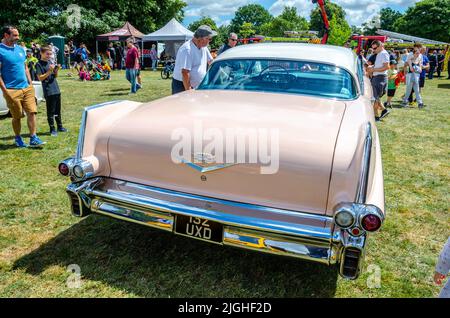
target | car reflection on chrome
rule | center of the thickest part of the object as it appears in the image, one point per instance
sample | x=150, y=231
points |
x=320, y=205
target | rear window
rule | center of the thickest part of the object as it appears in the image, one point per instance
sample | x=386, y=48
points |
x=280, y=76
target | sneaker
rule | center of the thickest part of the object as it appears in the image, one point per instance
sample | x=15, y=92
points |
x=36, y=142
x=53, y=133
x=404, y=105
x=20, y=143
x=138, y=87
x=377, y=119
x=384, y=113
x=421, y=105
x=62, y=129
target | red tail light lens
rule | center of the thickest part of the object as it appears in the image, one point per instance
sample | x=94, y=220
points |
x=63, y=169
x=371, y=222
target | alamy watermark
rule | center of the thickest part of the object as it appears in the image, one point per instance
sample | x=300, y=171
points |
x=221, y=147
x=74, y=279
x=74, y=16
x=374, y=278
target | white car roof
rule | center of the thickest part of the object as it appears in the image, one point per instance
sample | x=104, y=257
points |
x=329, y=54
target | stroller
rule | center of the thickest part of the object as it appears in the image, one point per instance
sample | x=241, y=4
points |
x=97, y=71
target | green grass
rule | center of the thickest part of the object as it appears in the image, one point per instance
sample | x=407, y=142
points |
x=39, y=238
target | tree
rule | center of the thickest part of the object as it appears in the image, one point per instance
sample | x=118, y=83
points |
x=216, y=41
x=223, y=33
x=356, y=30
x=370, y=27
x=388, y=17
x=255, y=14
x=246, y=30
x=288, y=20
x=339, y=32
x=428, y=19
x=385, y=20
x=37, y=19
x=333, y=11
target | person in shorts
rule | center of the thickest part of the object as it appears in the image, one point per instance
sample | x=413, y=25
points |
x=379, y=78
x=17, y=88
x=392, y=83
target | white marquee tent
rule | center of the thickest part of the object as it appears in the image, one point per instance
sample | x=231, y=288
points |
x=173, y=34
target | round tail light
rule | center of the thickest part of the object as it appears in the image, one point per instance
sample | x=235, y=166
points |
x=344, y=218
x=78, y=171
x=371, y=222
x=63, y=169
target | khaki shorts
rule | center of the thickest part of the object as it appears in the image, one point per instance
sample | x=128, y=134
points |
x=22, y=100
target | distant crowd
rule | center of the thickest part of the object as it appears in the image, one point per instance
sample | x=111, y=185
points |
x=388, y=69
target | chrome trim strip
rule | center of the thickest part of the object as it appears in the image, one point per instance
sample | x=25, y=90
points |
x=80, y=145
x=361, y=193
x=217, y=216
x=163, y=221
x=257, y=240
x=255, y=207
x=279, y=245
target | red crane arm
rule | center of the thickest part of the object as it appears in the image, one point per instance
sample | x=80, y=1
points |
x=326, y=24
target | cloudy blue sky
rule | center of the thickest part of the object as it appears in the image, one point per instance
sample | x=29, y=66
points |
x=358, y=11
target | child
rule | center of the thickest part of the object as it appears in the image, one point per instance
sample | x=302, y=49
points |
x=84, y=75
x=47, y=73
x=31, y=63
x=106, y=71
x=392, y=82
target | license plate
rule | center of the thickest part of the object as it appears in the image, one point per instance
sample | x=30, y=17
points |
x=199, y=228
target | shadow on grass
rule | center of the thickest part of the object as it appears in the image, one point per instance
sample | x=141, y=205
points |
x=447, y=86
x=151, y=263
x=7, y=147
x=124, y=93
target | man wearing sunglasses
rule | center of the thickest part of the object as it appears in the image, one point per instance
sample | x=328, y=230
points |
x=232, y=41
x=379, y=78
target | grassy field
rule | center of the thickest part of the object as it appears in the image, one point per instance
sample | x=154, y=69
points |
x=39, y=239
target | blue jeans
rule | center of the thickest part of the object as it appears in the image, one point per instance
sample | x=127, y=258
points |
x=131, y=74
x=412, y=82
x=154, y=64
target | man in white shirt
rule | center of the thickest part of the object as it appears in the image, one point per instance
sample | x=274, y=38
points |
x=379, y=78
x=192, y=61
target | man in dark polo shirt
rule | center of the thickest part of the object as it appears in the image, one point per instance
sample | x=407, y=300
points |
x=16, y=85
x=232, y=41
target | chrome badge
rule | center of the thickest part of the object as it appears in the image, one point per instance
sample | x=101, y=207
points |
x=205, y=162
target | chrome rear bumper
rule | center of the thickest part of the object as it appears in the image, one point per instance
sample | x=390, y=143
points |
x=282, y=232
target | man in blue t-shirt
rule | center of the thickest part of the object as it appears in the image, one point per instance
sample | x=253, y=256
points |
x=16, y=85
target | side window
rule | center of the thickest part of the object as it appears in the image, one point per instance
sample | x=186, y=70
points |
x=361, y=76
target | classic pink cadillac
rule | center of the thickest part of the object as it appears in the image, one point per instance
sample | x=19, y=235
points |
x=320, y=201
